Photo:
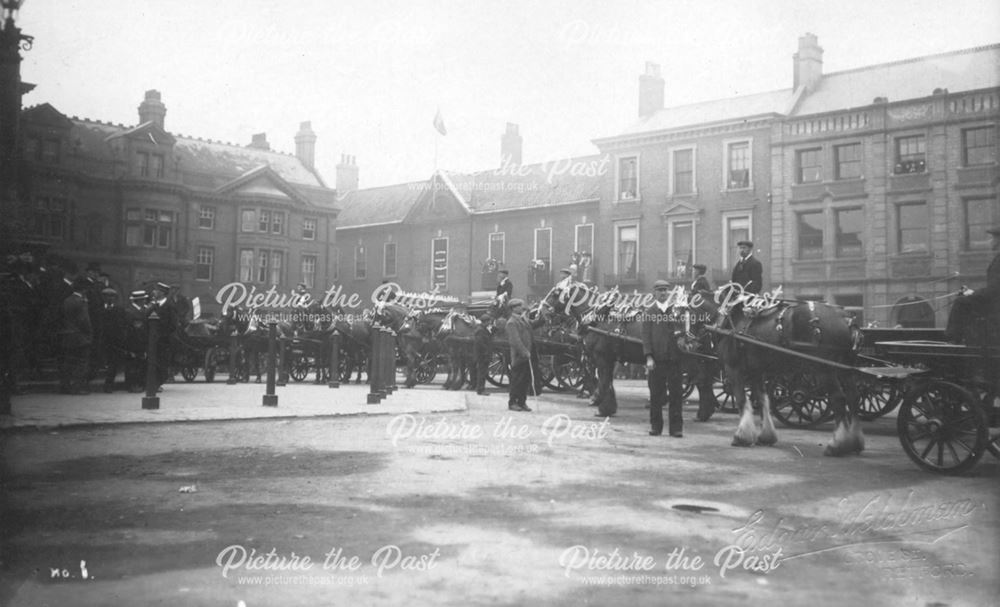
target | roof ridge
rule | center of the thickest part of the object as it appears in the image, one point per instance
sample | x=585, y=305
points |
x=975, y=49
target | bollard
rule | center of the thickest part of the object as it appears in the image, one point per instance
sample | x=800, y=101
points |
x=390, y=361
x=383, y=379
x=334, y=360
x=234, y=345
x=374, y=377
x=151, y=400
x=270, y=398
x=283, y=356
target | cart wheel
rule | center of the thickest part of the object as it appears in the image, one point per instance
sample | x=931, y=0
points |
x=943, y=428
x=877, y=398
x=299, y=368
x=499, y=371
x=991, y=407
x=797, y=401
x=189, y=372
x=426, y=370
x=569, y=372
x=687, y=382
x=723, y=390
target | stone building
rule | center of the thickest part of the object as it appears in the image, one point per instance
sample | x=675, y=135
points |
x=148, y=204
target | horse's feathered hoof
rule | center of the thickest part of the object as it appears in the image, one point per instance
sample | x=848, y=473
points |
x=767, y=440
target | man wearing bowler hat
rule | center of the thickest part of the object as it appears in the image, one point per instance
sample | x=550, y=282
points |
x=984, y=302
x=748, y=271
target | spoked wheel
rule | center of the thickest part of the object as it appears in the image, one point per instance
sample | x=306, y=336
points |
x=687, y=382
x=299, y=367
x=877, y=398
x=427, y=369
x=943, y=428
x=797, y=401
x=569, y=373
x=723, y=389
x=499, y=370
x=990, y=400
x=189, y=372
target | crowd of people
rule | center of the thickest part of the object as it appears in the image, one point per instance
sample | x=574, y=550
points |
x=55, y=318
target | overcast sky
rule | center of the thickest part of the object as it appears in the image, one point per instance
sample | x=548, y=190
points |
x=370, y=75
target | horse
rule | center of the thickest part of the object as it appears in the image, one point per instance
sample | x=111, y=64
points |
x=253, y=336
x=417, y=340
x=458, y=333
x=811, y=328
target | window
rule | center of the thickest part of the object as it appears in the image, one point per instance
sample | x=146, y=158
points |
x=978, y=219
x=810, y=166
x=248, y=220
x=738, y=165
x=156, y=166
x=734, y=229
x=277, y=222
x=850, y=224
x=309, y=271
x=978, y=146
x=262, y=265
x=811, y=235
x=910, y=155
x=854, y=305
x=203, y=263
x=360, y=262
x=439, y=263
x=628, y=178
x=142, y=164
x=683, y=174
x=848, y=158
x=912, y=231
x=277, y=257
x=246, y=265
x=50, y=218
x=496, y=246
x=309, y=229
x=627, y=251
x=681, y=248
x=389, y=259
x=543, y=246
x=584, y=238
x=206, y=218
x=151, y=228
x=263, y=221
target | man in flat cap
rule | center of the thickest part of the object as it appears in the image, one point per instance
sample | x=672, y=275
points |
x=521, y=339
x=663, y=362
x=748, y=271
x=984, y=302
x=566, y=279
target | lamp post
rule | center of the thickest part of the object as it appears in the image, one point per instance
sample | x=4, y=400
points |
x=12, y=42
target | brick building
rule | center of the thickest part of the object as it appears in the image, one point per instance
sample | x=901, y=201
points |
x=148, y=204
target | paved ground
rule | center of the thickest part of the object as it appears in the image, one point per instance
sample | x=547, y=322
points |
x=482, y=507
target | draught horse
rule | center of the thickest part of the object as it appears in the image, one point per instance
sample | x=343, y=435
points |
x=817, y=330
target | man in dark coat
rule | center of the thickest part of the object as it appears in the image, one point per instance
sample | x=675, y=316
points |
x=482, y=350
x=75, y=338
x=984, y=302
x=521, y=339
x=700, y=284
x=136, y=341
x=660, y=332
x=114, y=322
x=168, y=324
x=504, y=286
x=748, y=271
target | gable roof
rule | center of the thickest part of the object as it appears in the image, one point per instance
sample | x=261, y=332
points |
x=381, y=205
x=262, y=181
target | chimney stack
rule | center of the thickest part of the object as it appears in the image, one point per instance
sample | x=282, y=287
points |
x=807, y=64
x=347, y=174
x=651, y=86
x=305, y=145
x=152, y=109
x=510, y=146
x=259, y=142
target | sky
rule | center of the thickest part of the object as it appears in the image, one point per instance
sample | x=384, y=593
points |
x=371, y=75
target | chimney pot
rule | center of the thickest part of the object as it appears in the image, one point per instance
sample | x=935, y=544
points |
x=807, y=63
x=305, y=144
x=152, y=109
x=347, y=175
x=259, y=141
x=510, y=146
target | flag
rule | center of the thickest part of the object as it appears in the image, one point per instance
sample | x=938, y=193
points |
x=439, y=123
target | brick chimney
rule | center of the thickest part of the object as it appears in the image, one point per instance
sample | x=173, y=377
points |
x=510, y=146
x=650, y=90
x=807, y=64
x=152, y=109
x=305, y=145
x=347, y=174
x=259, y=142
